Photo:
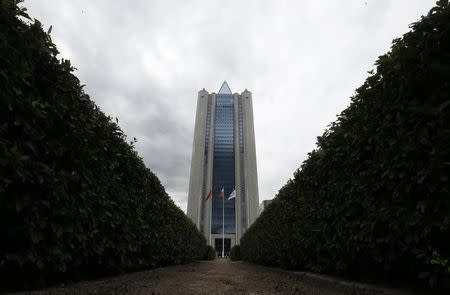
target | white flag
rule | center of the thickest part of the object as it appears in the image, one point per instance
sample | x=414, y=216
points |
x=232, y=195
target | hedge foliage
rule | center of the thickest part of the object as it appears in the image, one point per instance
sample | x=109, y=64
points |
x=235, y=253
x=76, y=199
x=210, y=253
x=373, y=199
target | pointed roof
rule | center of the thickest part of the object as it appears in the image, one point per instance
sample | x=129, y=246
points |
x=225, y=89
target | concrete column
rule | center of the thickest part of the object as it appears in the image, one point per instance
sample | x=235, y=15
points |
x=197, y=159
x=251, y=176
x=208, y=206
x=237, y=170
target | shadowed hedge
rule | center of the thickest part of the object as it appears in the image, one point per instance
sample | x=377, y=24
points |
x=235, y=253
x=372, y=201
x=210, y=253
x=76, y=199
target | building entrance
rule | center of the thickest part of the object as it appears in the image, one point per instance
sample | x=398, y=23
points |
x=218, y=247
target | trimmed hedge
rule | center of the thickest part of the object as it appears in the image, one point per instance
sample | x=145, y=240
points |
x=76, y=199
x=210, y=253
x=372, y=201
x=235, y=253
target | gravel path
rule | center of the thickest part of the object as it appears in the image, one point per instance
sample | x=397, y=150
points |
x=211, y=277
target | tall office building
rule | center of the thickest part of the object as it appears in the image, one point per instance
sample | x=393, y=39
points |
x=223, y=157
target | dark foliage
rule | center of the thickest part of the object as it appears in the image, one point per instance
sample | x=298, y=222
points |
x=373, y=200
x=76, y=199
x=210, y=253
x=235, y=253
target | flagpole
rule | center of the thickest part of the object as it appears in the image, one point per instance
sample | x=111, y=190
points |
x=223, y=225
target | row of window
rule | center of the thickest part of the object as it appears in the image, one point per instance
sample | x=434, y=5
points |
x=224, y=164
x=242, y=168
x=223, y=170
x=205, y=165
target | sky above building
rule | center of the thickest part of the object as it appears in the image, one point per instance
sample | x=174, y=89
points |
x=145, y=61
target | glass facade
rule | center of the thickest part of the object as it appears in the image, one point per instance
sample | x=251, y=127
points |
x=223, y=164
x=223, y=156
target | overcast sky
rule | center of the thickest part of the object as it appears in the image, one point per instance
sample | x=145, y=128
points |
x=145, y=61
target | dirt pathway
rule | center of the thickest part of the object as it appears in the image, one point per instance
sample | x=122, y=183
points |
x=214, y=277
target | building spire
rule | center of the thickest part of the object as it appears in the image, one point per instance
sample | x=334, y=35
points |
x=225, y=89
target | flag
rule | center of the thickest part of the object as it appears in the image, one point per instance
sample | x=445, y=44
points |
x=232, y=195
x=208, y=196
x=221, y=195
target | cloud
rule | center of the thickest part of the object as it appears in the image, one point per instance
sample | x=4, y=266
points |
x=144, y=62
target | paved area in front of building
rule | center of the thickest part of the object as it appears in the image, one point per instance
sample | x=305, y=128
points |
x=221, y=276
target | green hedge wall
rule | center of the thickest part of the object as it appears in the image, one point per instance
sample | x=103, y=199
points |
x=373, y=200
x=235, y=253
x=210, y=253
x=76, y=199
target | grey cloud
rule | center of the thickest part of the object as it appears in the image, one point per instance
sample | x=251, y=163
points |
x=144, y=61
